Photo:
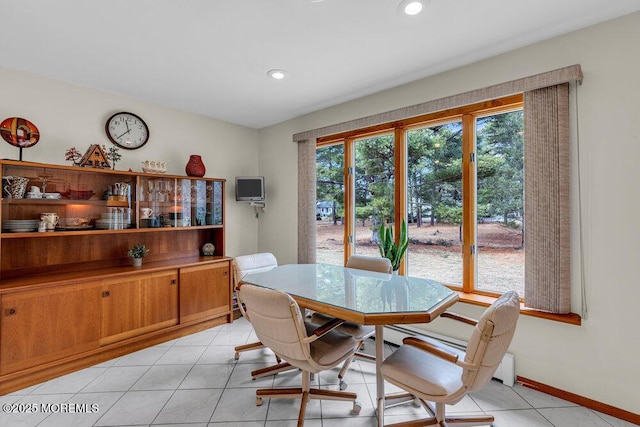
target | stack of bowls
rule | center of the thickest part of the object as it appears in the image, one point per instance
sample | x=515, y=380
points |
x=20, y=225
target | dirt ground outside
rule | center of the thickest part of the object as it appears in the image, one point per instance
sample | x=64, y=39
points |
x=435, y=252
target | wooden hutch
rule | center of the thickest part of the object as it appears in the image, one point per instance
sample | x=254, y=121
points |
x=70, y=297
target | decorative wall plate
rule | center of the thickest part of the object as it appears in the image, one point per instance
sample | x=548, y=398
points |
x=19, y=132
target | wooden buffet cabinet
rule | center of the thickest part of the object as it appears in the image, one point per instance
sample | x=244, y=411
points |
x=70, y=298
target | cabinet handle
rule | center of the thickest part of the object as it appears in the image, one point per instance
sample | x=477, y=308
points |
x=226, y=273
x=10, y=312
x=174, y=281
x=106, y=294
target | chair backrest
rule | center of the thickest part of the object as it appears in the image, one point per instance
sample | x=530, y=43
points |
x=490, y=340
x=277, y=322
x=362, y=262
x=254, y=263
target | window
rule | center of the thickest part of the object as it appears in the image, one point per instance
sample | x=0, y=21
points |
x=456, y=176
x=330, y=204
x=546, y=218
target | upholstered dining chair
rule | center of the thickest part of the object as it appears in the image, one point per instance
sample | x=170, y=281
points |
x=243, y=265
x=438, y=375
x=279, y=324
x=359, y=332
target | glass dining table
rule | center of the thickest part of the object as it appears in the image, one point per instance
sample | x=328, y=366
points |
x=360, y=296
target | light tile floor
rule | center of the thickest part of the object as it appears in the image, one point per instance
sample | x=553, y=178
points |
x=194, y=381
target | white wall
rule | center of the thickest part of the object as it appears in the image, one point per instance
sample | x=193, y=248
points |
x=599, y=360
x=71, y=116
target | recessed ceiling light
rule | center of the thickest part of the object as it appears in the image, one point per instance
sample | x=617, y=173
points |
x=277, y=74
x=411, y=7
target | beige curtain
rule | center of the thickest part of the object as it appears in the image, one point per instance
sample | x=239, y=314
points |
x=307, y=201
x=547, y=204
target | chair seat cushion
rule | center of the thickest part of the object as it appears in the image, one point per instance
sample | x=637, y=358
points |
x=359, y=332
x=331, y=348
x=414, y=369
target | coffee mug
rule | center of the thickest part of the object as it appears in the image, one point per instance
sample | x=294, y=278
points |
x=145, y=213
x=50, y=218
x=14, y=186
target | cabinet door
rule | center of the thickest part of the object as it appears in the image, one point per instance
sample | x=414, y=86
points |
x=205, y=292
x=142, y=304
x=43, y=325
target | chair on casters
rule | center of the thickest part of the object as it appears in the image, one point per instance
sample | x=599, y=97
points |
x=435, y=373
x=243, y=265
x=359, y=332
x=279, y=324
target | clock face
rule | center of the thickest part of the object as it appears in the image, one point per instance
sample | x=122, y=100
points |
x=127, y=130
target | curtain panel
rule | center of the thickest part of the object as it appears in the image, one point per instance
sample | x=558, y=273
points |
x=547, y=204
x=307, y=201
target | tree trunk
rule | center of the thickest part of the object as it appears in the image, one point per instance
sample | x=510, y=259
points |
x=335, y=218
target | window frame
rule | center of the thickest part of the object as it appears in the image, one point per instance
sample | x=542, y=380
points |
x=467, y=115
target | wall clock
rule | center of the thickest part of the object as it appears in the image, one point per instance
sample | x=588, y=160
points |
x=127, y=130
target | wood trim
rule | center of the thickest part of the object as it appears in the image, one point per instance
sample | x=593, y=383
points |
x=469, y=191
x=76, y=169
x=24, y=283
x=349, y=198
x=487, y=300
x=449, y=114
x=580, y=400
x=378, y=318
x=400, y=189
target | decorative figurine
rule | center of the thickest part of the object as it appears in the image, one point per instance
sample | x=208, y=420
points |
x=95, y=157
x=208, y=249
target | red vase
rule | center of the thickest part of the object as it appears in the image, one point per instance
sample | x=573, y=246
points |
x=195, y=167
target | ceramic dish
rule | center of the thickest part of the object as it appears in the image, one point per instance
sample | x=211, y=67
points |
x=148, y=170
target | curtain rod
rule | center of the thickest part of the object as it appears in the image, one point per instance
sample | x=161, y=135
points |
x=525, y=84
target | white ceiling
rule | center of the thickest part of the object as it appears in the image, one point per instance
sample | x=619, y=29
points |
x=211, y=57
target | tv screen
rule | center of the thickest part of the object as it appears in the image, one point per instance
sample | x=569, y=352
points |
x=250, y=188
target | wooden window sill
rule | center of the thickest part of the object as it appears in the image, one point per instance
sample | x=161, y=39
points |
x=486, y=301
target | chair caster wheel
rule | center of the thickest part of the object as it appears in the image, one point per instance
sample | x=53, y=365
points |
x=258, y=401
x=357, y=407
x=236, y=356
x=343, y=385
x=416, y=402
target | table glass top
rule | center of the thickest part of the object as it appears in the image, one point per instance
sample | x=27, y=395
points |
x=356, y=290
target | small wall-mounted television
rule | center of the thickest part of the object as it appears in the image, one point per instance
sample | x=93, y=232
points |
x=250, y=188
